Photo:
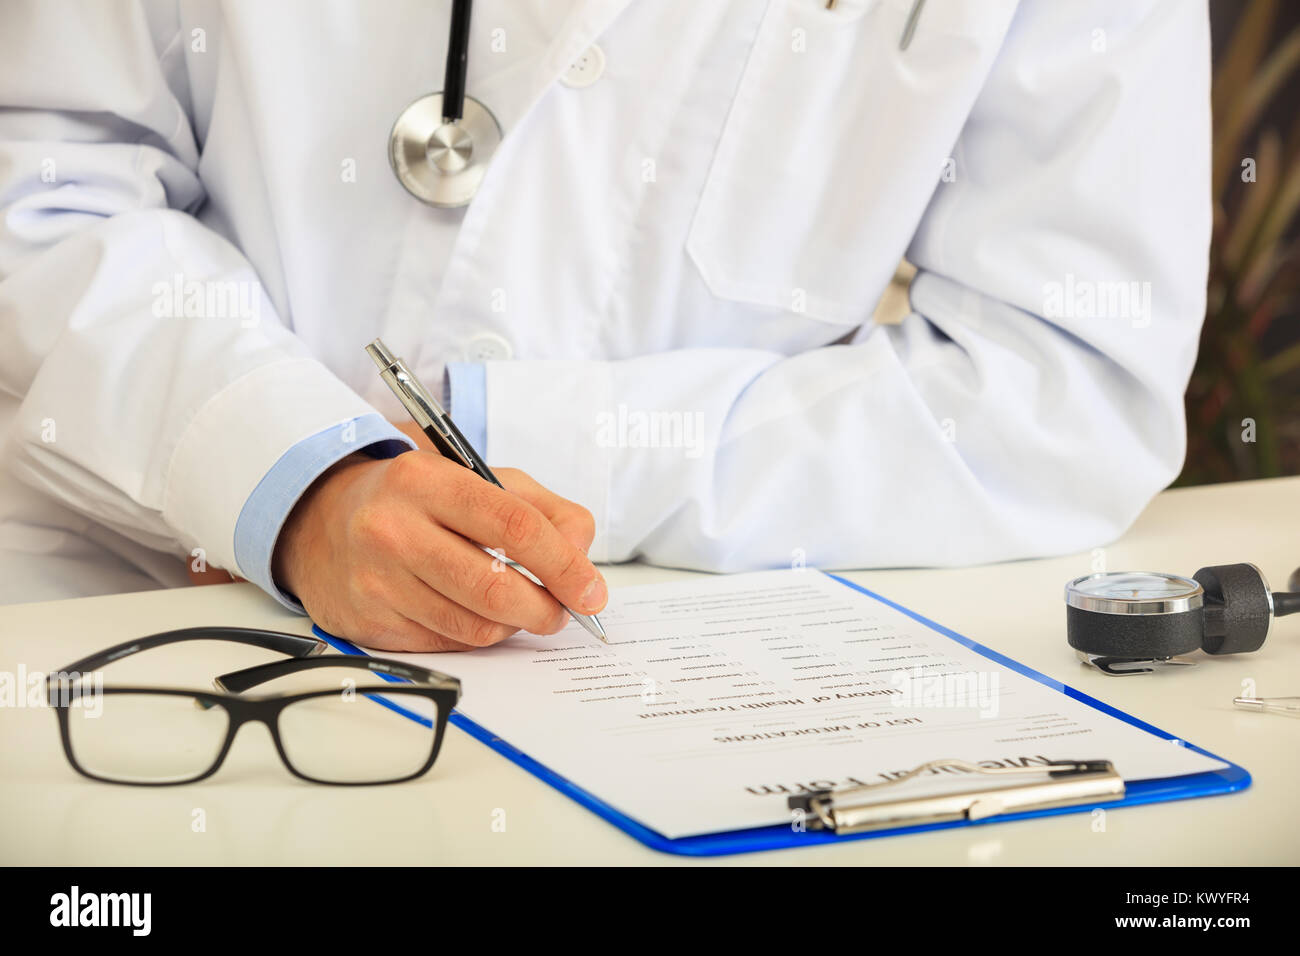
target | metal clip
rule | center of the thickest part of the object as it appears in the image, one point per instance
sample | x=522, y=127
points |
x=909, y=27
x=1129, y=666
x=1069, y=783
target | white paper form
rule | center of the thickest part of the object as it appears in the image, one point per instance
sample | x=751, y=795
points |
x=720, y=696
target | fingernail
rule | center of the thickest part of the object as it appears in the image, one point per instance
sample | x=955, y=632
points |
x=593, y=599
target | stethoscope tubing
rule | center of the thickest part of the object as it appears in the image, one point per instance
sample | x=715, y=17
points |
x=453, y=83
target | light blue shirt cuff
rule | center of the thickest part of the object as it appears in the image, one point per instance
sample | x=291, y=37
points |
x=267, y=508
x=468, y=408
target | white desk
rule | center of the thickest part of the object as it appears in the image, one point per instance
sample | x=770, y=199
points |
x=255, y=812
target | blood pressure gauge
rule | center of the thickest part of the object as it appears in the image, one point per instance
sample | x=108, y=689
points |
x=1127, y=622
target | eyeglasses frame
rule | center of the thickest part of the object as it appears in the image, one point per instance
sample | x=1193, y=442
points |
x=308, y=654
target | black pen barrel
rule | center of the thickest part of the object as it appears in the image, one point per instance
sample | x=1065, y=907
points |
x=477, y=464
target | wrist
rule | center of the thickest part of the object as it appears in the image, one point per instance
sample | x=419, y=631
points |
x=301, y=536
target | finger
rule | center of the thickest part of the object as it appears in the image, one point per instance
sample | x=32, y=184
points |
x=485, y=588
x=484, y=513
x=399, y=633
x=445, y=616
x=571, y=519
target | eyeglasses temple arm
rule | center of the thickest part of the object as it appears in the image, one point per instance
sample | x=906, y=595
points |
x=236, y=682
x=299, y=647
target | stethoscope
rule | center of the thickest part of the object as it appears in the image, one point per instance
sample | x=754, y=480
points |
x=1126, y=622
x=441, y=144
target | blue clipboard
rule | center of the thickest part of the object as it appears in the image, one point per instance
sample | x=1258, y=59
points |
x=780, y=836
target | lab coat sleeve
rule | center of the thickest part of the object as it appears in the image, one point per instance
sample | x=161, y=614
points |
x=268, y=507
x=1012, y=414
x=467, y=384
x=157, y=384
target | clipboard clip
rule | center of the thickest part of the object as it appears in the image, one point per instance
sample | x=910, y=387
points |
x=858, y=809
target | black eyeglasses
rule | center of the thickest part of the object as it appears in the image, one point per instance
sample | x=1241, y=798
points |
x=152, y=736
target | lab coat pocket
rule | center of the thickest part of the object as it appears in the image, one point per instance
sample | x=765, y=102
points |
x=834, y=144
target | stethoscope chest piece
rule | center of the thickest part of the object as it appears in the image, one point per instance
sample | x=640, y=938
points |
x=442, y=162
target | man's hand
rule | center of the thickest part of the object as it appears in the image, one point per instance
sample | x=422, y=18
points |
x=382, y=552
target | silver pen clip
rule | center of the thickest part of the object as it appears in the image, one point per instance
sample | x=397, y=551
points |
x=423, y=407
x=909, y=27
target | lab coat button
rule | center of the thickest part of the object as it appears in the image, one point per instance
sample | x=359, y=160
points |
x=586, y=69
x=488, y=347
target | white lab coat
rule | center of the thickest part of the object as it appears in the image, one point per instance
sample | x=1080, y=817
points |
x=685, y=251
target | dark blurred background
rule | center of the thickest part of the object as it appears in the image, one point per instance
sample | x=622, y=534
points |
x=1248, y=370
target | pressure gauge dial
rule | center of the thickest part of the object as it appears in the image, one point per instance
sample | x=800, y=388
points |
x=1118, y=621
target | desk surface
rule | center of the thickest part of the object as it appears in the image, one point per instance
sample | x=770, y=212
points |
x=253, y=812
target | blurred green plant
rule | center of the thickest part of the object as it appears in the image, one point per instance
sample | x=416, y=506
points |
x=1254, y=269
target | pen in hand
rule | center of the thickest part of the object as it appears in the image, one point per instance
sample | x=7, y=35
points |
x=449, y=442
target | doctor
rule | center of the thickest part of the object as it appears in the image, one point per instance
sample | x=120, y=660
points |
x=657, y=303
